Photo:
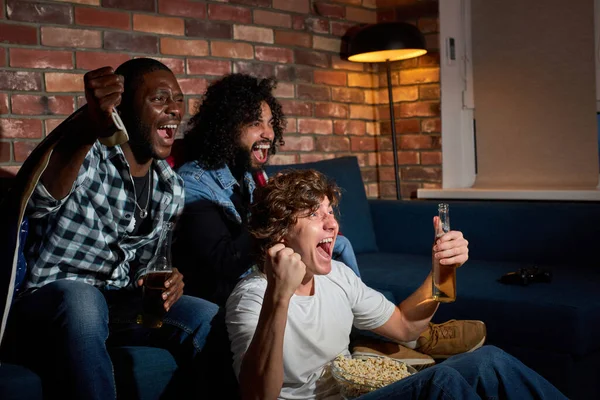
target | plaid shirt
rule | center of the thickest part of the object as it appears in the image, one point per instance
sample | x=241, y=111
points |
x=85, y=235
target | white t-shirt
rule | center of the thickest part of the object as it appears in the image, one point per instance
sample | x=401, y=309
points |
x=318, y=326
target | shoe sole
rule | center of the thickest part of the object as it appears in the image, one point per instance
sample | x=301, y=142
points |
x=410, y=361
x=445, y=356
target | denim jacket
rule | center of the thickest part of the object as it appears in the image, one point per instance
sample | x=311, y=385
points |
x=213, y=185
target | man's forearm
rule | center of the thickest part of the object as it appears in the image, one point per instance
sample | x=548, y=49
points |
x=68, y=155
x=261, y=374
x=419, y=307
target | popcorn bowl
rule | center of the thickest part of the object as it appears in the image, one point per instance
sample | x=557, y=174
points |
x=361, y=374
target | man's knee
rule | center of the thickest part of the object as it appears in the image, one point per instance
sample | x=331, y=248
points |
x=78, y=305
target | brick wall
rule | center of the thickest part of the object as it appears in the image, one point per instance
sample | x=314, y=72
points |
x=334, y=107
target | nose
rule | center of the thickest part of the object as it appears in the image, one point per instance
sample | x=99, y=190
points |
x=175, y=108
x=330, y=223
x=268, y=133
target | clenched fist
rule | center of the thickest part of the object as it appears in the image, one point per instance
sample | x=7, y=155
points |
x=103, y=89
x=285, y=270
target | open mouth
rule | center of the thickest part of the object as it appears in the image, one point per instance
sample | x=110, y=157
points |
x=167, y=133
x=325, y=248
x=260, y=151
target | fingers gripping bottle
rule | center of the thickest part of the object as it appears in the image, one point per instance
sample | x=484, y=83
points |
x=443, y=276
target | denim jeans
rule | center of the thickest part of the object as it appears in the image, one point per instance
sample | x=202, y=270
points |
x=486, y=373
x=62, y=331
x=343, y=252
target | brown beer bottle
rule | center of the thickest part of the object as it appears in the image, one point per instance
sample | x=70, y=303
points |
x=443, y=276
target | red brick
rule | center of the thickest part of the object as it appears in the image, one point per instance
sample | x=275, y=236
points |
x=404, y=158
x=18, y=80
x=341, y=28
x=363, y=143
x=419, y=109
x=308, y=92
x=386, y=15
x=300, y=108
x=431, y=59
x=229, y=13
x=262, y=17
x=208, y=29
x=88, y=2
x=253, y=34
x=284, y=90
x=299, y=6
x=298, y=22
x=421, y=174
x=183, y=47
x=51, y=123
x=258, y=3
x=29, y=58
x=338, y=63
x=286, y=38
x=400, y=93
x=312, y=58
x=274, y=54
x=333, y=144
x=420, y=75
x=317, y=25
x=138, y=43
x=298, y=143
x=94, y=59
x=103, y=18
x=3, y=103
x=9, y=171
x=361, y=80
x=231, y=50
x=431, y=157
x=361, y=15
x=293, y=73
x=193, y=85
x=23, y=104
x=429, y=92
x=23, y=149
x=331, y=110
x=329, y=10
x=291, y=125
x=20, y=128
x=333, y=78
x=176, y=65
x=317, y=126
x=182, y=8
x=416, y=142
x=362, y=112
x=430, y=125
x=208, y=67
x=63, y=82
x=283, y=159
x=66, y=37
x=160, y=25
x=4, y=150
x=3, y=52
x=412, y=125
x=351, y=127
x=354, y=2
x=346, y=95
x=43, y=13
x=133, y=5
x=428, y=25
x=17, y=34
x=312, y=157
x=251, y=68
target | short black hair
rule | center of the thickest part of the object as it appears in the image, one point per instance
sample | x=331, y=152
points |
x=133, y=72
x=228, y=104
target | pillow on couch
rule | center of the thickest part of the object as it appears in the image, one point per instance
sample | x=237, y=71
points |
x=355, y=215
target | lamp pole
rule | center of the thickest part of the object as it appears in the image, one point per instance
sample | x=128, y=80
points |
x=393, y=122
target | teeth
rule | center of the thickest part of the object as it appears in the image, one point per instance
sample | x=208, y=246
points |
x=168, y=127
x=326, y=240
x=262, y=146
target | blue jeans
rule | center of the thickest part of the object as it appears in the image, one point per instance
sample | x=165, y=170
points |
x=343, y=252
x=62, y=331
x=486, y=373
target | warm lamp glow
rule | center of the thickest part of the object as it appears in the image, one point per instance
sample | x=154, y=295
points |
x=385, y=55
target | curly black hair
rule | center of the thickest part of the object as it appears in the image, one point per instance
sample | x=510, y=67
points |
x=228, y=104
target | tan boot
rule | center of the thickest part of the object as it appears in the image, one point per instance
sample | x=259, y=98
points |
x=441, y=341
x=392, y=350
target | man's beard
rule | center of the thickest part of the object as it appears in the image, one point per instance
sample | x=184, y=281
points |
x=140, y=140
x=242, y=161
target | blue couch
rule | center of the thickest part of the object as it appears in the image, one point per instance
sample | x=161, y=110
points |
x=551, y=327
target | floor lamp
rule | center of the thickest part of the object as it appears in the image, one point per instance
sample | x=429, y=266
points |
x=387, y=42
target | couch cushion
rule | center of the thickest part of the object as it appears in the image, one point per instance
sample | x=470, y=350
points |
x=565, y=310
x=19, y=383
x=355, y=215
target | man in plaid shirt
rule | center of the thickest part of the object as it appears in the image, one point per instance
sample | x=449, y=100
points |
x=95, y=218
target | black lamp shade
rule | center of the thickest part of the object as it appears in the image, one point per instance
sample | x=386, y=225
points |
x=386, y=41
